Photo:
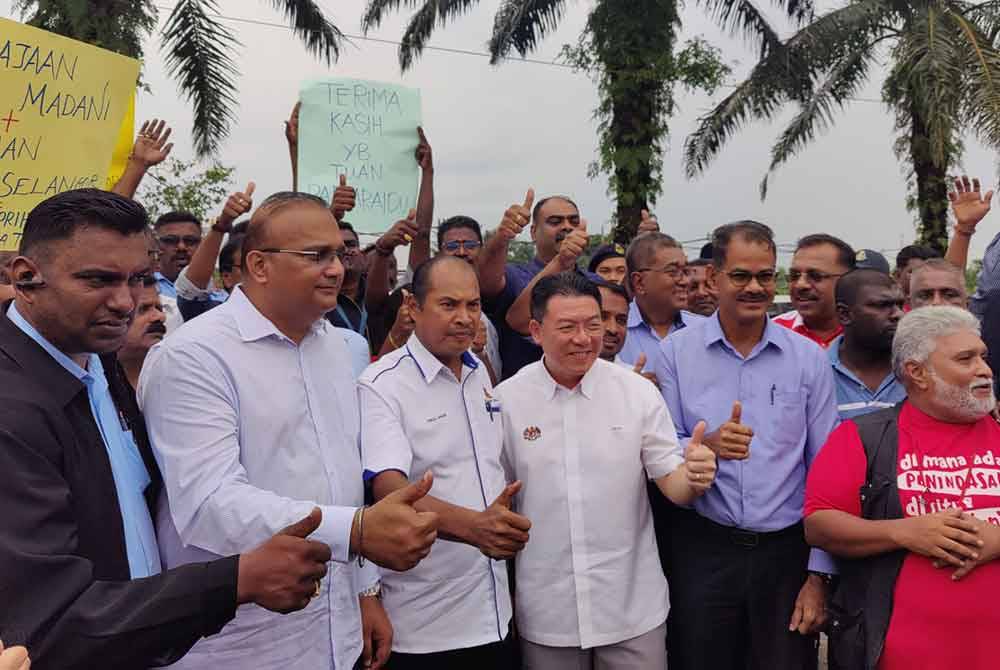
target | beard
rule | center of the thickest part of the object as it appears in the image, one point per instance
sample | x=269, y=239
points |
x=961, y=399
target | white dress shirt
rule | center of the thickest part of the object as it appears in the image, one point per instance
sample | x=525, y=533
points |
x=590, y=575
x=417, y=416
x=252, y=431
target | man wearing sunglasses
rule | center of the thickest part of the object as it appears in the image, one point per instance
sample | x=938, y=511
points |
x=818, y=262
x=740, y=585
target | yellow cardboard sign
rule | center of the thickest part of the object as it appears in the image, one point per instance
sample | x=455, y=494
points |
x=62, y=104
x=123, y=146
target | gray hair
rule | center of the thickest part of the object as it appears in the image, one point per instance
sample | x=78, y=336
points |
x=918, y=333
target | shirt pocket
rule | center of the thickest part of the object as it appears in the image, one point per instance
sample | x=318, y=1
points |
x=788, y=417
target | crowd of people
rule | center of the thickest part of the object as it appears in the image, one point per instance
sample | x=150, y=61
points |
x=239, y=443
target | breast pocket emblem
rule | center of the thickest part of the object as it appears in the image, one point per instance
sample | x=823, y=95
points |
x=532, y=433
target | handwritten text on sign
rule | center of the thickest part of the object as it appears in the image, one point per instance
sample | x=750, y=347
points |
x=61, y=106
x=366, y=131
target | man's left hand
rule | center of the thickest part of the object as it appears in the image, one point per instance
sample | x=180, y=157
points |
x=151, y=147
x=809, y=614
x=423, y=153
x=990, y=551
x=376, y=632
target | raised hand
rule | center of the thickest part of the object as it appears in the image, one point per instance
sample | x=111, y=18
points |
x=501, y=533
x=423, y=152
x=284, y=573
x=647, y=223
x=968, y=204
x=400, y=234
x=402, y=327
x=237, y=205
x=14, y=658
x=573, y=246
x=151, y=147
x=732, y=440
x=516, y=217
x=479, y=342
x=395, y=535
x=640, y=363
x=292, y=126
x=699, y=461
x=343, y=199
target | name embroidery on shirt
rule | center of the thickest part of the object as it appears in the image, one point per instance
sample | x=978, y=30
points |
x=432, y=419
x=532, y=433
x=492, y=404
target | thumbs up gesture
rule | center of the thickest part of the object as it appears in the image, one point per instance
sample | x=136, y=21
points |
x=343, y=199
x=572, y=246
x=732, y=440
x=500, y=533
x=402, y=233
x=392, y=533
x=284, y=573
x=647, y=223
x=699, y=461
x=237, y=205
x=516, y=217
x=640, y=363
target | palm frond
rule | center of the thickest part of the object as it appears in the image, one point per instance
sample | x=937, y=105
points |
x=418, y=31
x=198, y=52
x=816, y=114
x=309, y=23
x=378, y=9
x=743, y=16
x=981, y=100
x=520, y=25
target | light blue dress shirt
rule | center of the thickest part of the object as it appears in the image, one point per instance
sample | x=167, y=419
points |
x=854, y=398
x=786, y=388
x=164, y=286
x=642, y=339
x=130, y=474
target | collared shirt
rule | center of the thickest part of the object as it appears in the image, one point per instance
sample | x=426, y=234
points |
x=350, y=314
x=516, y=350
x=164, y=286
x=787, y=392
x=642, y=339
x=854, y=398
x=590, y=575
x=793, y=321
x=127, y=467
x=988, y=281
x=417, y=416
x=251, y=432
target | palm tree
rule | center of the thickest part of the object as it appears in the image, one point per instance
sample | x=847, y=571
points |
x=943, y=80
x=198, y=48
x=628, y=46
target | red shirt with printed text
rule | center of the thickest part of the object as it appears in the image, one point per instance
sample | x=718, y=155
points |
x=936, y=622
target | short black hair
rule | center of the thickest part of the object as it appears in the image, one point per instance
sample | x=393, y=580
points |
x=541, y=203
x=256, y=234
x=59, y=217
x=344, y=225
x=750, y=231
x=845, y=254
x=640, y=253
x=700, y=263
x=421, y=285
x=617, y=289
x=177, y=217
x=918, y=251
x=849, y=285
x=706, y=252
x=227, y=256
x=564, y=283
x=240, y=227
x=459, y=222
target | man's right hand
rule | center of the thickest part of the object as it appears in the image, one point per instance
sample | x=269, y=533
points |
x=394, y=535
x=950, y=536
x=732, y=440
x=292, y=126
x=402, y=233
x=647, y=223
x=237, y=205
x=501, y=533
x=14, y=658
x=344, y=197
x=516, y=218
x=572, y=247
x=282, y=574
x=968, y=204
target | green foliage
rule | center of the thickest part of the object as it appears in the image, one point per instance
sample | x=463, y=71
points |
x=943, y=81
x=199, y=48
x=183, y=185
x=972, y=274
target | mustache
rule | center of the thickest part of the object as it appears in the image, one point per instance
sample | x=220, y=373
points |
x=156, y=327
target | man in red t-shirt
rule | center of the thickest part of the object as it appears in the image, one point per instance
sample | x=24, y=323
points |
x=943, y=611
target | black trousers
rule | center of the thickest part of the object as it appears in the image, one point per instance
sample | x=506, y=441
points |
x=496, y=656
x=732, y=594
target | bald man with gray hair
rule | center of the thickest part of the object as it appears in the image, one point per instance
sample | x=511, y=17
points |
x=910, y=497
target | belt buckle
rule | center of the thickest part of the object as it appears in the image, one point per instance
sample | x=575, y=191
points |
x=746, y=538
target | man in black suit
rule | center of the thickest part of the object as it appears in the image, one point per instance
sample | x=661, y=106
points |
x=80, y=581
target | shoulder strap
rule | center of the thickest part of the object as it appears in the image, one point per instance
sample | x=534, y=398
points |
x=879, y=433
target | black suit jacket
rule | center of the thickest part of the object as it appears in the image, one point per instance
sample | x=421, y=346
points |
x=65, y=590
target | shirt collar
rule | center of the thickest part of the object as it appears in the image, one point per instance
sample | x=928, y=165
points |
x=252, y=324
x=94, y=369
x=160, y=277
x=587, y=385
x=635, y=317
x=429, y=364
x=772, y=334
x=833, y=352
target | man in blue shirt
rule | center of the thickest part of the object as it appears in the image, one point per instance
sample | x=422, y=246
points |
x=80, y=568
x=554, y=220
x=741, y=589
x=869, y=306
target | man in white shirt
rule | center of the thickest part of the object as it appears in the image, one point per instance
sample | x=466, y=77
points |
x=429, y=406
x=583, y=435
x=253, y=417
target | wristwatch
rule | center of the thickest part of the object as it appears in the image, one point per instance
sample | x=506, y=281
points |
x=374, y=591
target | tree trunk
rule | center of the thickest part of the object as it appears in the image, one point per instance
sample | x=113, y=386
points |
x=932, y=187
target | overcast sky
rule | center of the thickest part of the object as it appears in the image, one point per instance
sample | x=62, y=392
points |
x=495, y=131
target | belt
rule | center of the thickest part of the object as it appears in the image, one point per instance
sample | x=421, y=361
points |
x=749, y=539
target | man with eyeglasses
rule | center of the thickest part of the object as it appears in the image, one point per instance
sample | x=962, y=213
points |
x=740, y=584
x=818, y=262
x=659, y=283
x=253, y=413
